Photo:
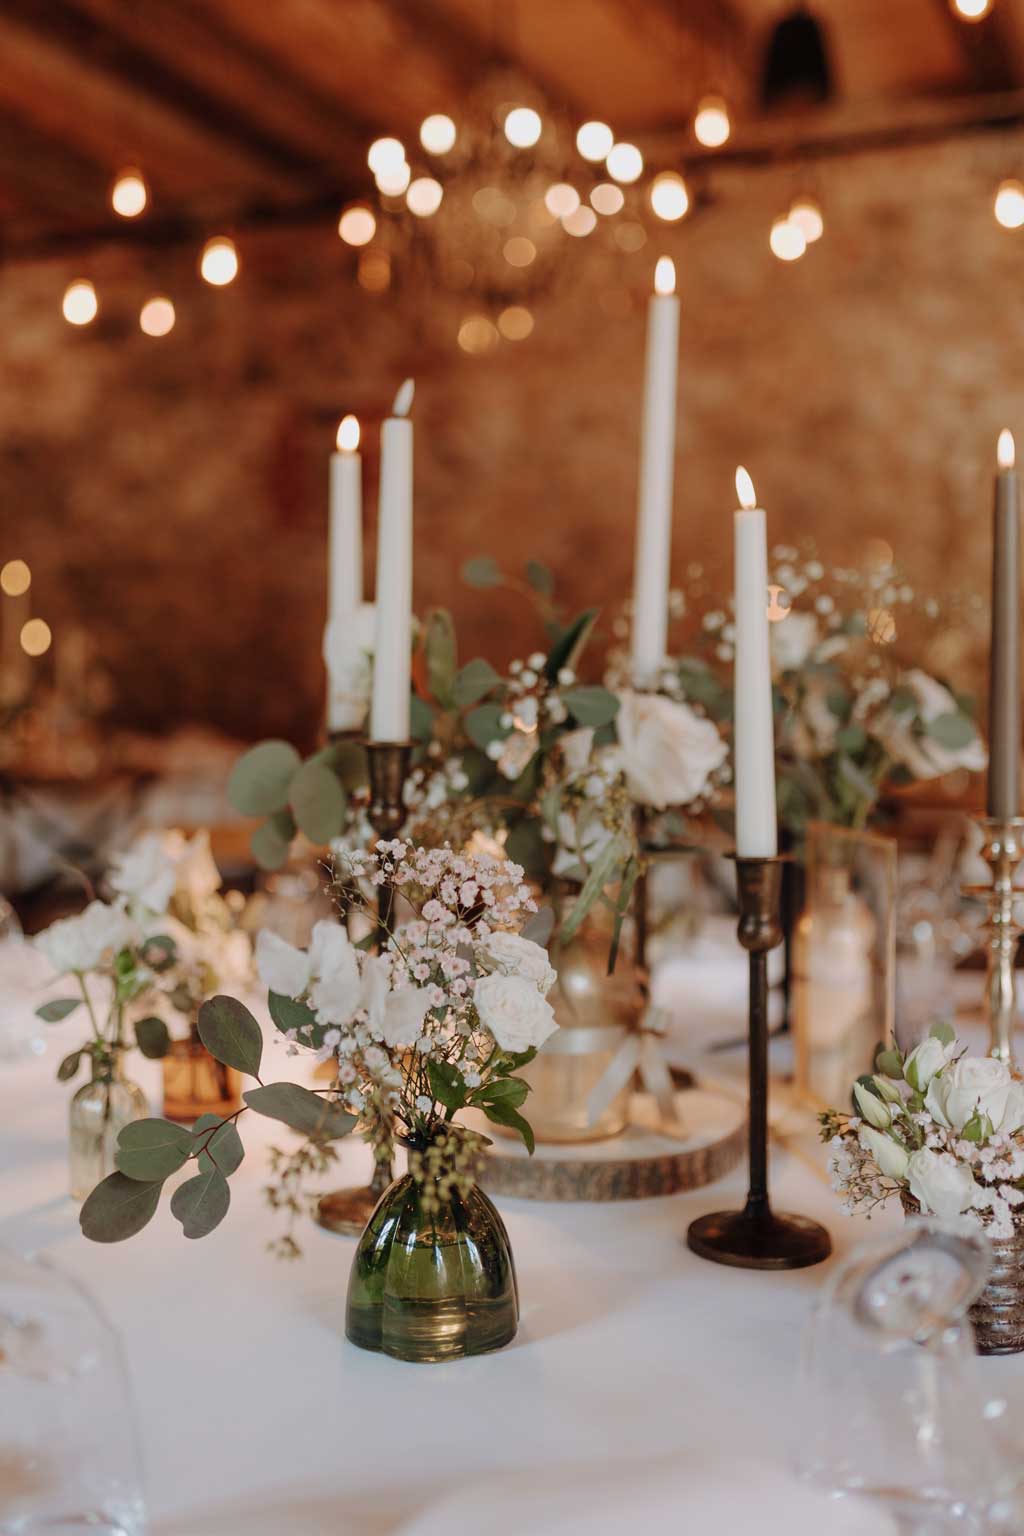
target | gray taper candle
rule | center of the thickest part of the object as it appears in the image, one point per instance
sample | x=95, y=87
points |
x=1004, y=662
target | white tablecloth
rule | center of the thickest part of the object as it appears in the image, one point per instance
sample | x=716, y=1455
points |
x=643, y=1380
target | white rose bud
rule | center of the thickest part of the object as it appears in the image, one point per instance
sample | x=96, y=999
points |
x=514, y=1011
x=925, y=1060
x=891, y=1158
x=872, y=1108
x=940, y=1184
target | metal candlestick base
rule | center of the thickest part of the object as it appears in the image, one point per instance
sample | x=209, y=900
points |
x=757, y=1238
x=348, y=1210
x=1003, y=850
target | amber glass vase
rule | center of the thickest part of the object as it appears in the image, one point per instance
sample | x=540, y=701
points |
x=195, y=1084
x=432, y=1279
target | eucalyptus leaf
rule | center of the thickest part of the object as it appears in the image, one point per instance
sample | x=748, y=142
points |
x=287, y=1014
x=152, y=1149
x=259, y=780
x=953, y=731
x=201, y=1204
x=943, y=1032
x=152, y=1037
x=482, y=571
x=503, y=1090
x=483, y=725
x=271, y=843
x=540, y=578
x=441, y=651
x=447, y=1084
x=301, y=1109
x=476, y=679
x=852, y=738
x=903, y=701
x=526, y=846
x=504, y=1114
x=231, y=1034
x=591, y=706
x=421, y=718
x=69, y=1066
x=317, y=802
x=601, y=872
x=539, y=926
x=223, y=1150
x=118, y=1208
x=569, y=643
x=52, y=1013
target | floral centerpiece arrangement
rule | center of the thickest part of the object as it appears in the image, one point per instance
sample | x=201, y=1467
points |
x=943, y=1132
x=437, y=1023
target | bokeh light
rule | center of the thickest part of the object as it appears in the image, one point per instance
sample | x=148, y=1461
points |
x=478, y=335
x=424, y=196
x=385, y=156
x=788, y=242
x=15, y=578
x=561, y=199
x=582, y=222
x=156, y=317
x=35, y=637
x=219, y=262
x=625, y=163
x=806, y=215
x=594, y=141
x=129, y=194
x=669, y=197
x=711, y=125
x=606, y=198
x=80, y=305
x=515, y=323
x=1009, y=205
x=437, y=134
x=519, y=251
x=522, y=129
x=357, y=225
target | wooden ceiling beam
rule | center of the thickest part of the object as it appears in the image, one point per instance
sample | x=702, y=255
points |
x=116, y=103
x=47, y=177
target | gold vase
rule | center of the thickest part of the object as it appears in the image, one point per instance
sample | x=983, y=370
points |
x=997, y=1316
x=195, y=1084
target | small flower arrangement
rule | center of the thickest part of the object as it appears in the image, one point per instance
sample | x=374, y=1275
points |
x=940, y=1126
x=438, y=1021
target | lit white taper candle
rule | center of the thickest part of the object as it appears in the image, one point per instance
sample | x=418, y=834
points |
x=754, y=728
x=344, y=558
x=657, y=462
x=392, y=673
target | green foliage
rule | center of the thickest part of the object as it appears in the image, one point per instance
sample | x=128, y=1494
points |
x=301, y=1109
x=591, y=706
x=287, y=1014
x=483, y=725
x=447, y=1084
x=69, y=1066
x=511, y=1091
x=526, y=846
x=601, y=872
x=152, y=1149
x=889, y=1062
x=421, y=719
x=500, y=1113
x=482, y=571
x=260, y=779
x=52, y=1013
x=317, y=802
x=539, y=926
x=272, y=842
x=540, y=578
x=626, y=884
x=476, y=679
x=223, y=1149
x=152, y=1037
x=201, y=1203
x=953, y=731
x=568, y=643
x=943, y=1032
x=118, y=1208
x=231, y=1034
x=441, y=651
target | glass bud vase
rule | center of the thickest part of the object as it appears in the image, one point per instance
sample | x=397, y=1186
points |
x=433, y=1276
x=99, y=1112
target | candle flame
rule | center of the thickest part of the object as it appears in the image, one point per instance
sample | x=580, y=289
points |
x=403, y=400
x=1005, y=451
x=745, y=490
x=665, y=276
x=348, y=435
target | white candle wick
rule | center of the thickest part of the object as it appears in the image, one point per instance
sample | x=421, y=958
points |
x=1005, y=449
x=403, y=400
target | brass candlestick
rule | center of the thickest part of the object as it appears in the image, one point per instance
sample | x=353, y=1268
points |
x=757, y=1238
x=1003, y=850
x=348, y=1210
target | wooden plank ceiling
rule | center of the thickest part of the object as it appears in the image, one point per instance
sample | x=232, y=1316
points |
x=235, y=105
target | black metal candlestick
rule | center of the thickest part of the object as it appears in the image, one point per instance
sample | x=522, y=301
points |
x=757, y=1238
x=348, y=1210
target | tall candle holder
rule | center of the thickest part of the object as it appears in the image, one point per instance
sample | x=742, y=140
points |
x=757, y=1237
x=1002, y=850
x=348, y=1210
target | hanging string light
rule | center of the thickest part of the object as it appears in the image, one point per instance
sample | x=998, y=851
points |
x=129, y=195
x=357, y=225
x=437, y=134
x=218, y=263
x=156, y=317
x=523, y=127
x=971, y=10
x=806, y=215
x=594, y=141
x=668, y=197
x=711, y=125
x=80, y=305
x=1009, y=204
x=625, y=163
x=787, y=240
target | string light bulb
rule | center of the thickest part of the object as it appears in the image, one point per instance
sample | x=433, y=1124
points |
x=385, y=156
x=357, y=225
x=625, y=163
x=35, y=637
x=522, y=127
x=971, y=10
x=129, y=195
x=392, y=183
x=424, y=196
x=437, y=134
x=787, y=240
x=594, y=141
x=15, y=578
x=1009, y=205
x=607, y=198
x=561, y=199
x=515, y=323
x=668, y=197
x=218, y=264
x=156, y=317
x=806, y=215
x=711, y=125
x=80, y=305
x=581, y=222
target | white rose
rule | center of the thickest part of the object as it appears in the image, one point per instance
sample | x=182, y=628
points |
x=976, y=1083
x=336, y=992
x=875, y=1112
x=404, y=1012
x=81, y=943
x=792, y=640
x=925, y=757
x=925, y=1060
x=282, y=968
x=514, y=1011
x=940, y=1184
x=348, y=656
x=891, y=1158
x=513, y=955
x=1013, y=1117
x=145, y=874
x=576, y=749
x=821, y=722
x=376, y=988
x=668, y=752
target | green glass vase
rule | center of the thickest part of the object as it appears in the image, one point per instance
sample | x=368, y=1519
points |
x=432, y=1285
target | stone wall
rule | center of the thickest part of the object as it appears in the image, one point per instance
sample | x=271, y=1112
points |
x=170, y=494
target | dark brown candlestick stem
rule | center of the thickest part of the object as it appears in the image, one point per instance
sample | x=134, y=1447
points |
x=757, y=1238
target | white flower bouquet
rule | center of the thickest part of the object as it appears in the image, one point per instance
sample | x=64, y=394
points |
x=943, y=1127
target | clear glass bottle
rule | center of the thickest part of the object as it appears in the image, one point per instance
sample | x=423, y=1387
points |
x=99, y=1111
x=833, y=995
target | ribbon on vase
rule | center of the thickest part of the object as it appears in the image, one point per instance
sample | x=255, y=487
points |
x=639, y=1053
